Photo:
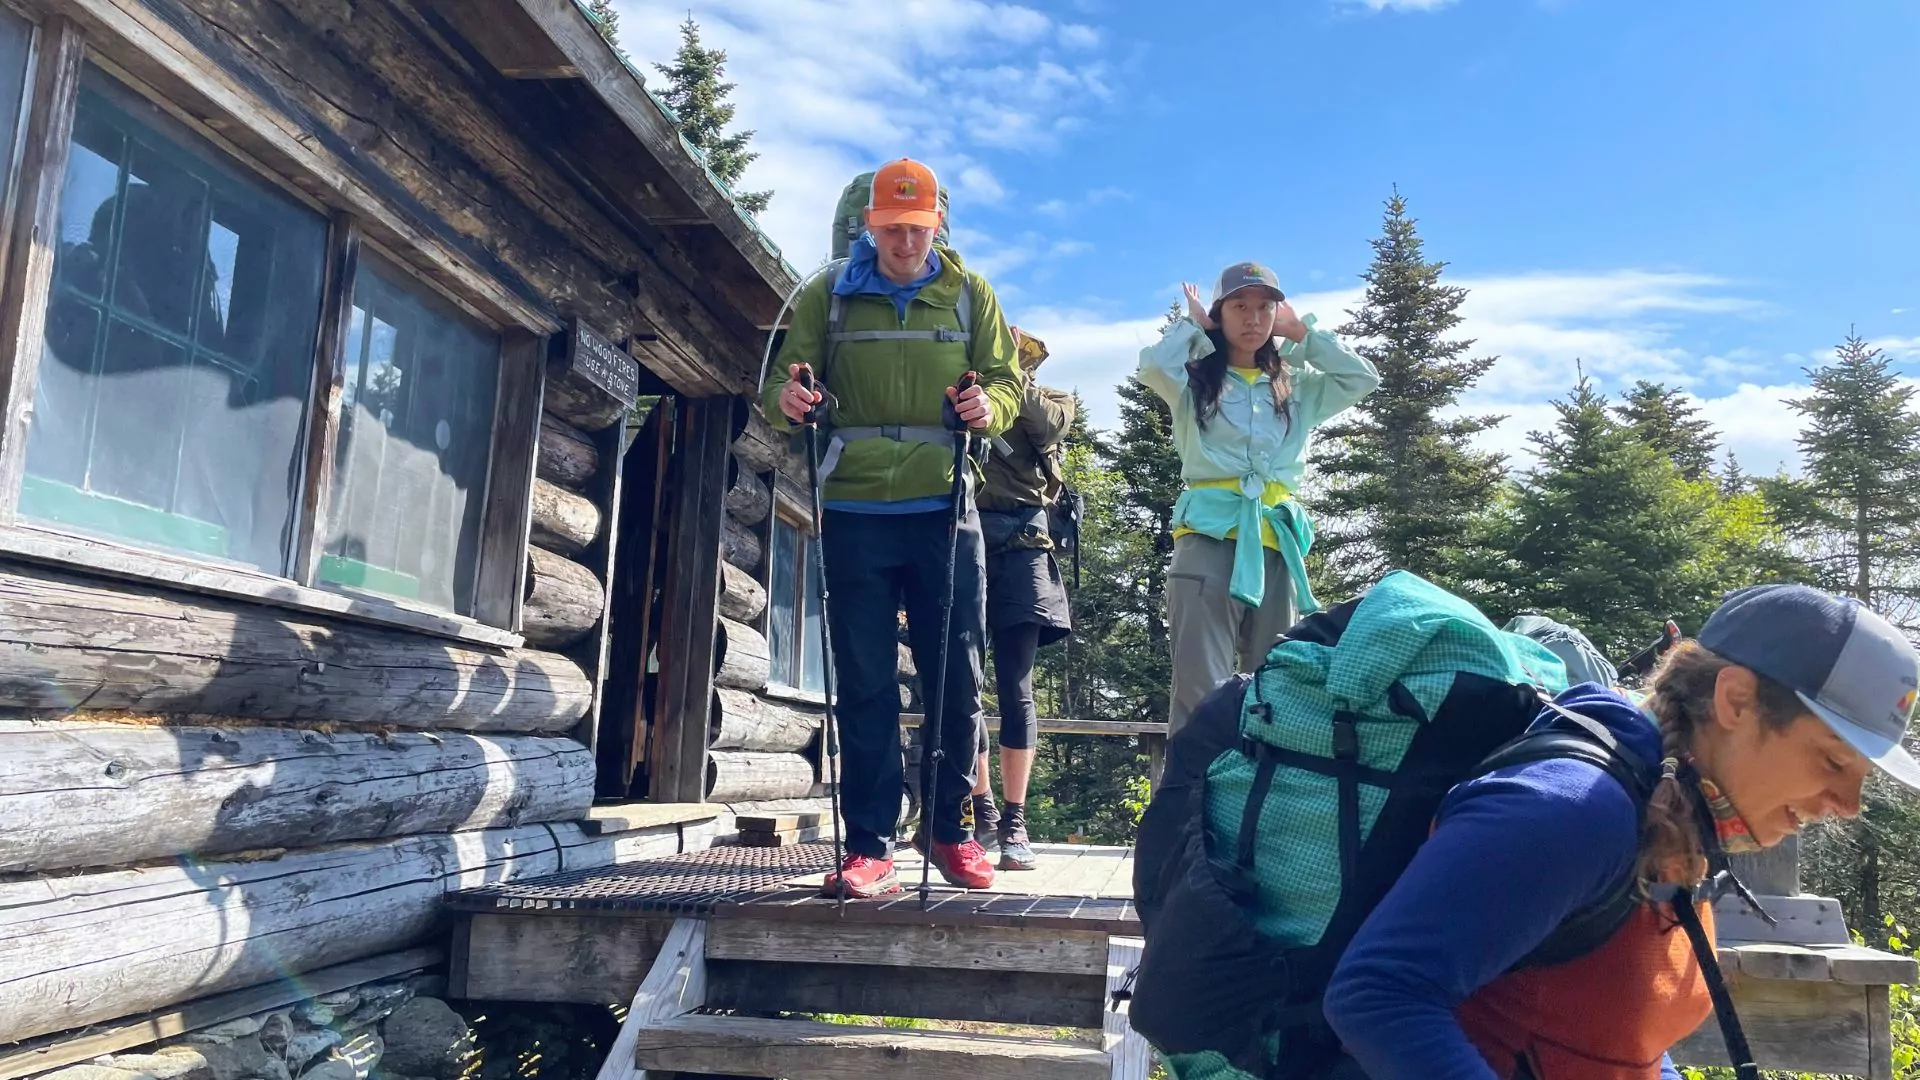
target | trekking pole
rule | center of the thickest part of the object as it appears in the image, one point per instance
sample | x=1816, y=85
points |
x=933, y=748
x=829, y=735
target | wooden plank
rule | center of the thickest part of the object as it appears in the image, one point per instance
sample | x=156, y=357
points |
x=563, y=958
x=679, y=772
x=630, y=699
x=1002, y=997
x=1767, y=961
x=1869, y=967
x=602, y=557
x=1056, y=726
x=1879, y=1034
x=141, y=567
x=66, y=640
x=1799, y=920
x=329, y=391
x=800, y=1050
x=499, y=586
x=779, y=822
x=1798, y=1026
x=1129, y=1053
x=1088, y=874
x=58, y=53
x=83, y=793
x=507, y=38
x=68, y=1049
x=786, y=838
x=84, y=948
x=1066, y=952
x=628, y=817
x=737, y=775
x=676, y=984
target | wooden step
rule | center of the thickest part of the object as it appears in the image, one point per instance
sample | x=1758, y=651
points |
x=803, y=1050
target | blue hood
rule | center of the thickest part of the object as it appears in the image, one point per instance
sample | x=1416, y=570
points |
x=862, y=275
x=1628, y=722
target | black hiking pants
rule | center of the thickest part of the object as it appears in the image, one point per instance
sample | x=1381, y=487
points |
x=875, y=563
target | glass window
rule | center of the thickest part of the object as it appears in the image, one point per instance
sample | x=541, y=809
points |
x=172, y=392
x=16, y=42
x=794, y=616
x=416, y=436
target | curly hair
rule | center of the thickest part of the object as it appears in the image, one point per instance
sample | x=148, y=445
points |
x=1680, y=698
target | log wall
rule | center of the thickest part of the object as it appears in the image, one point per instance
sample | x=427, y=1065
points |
x=91, y=793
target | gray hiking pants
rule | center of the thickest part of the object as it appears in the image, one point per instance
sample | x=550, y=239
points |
x=1214, y=635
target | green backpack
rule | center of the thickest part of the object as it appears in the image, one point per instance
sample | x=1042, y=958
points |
x=850, y=217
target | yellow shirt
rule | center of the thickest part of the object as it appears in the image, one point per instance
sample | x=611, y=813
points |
x=1274, y=495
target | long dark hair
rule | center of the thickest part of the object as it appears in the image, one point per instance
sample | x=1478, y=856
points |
x=1206, y=375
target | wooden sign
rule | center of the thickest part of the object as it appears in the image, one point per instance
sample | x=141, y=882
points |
x=606, y=365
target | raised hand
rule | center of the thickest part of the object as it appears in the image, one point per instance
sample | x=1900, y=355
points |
x=1288, y=325
x=1196, y=309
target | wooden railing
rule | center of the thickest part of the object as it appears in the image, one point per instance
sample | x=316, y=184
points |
x=1152, y=734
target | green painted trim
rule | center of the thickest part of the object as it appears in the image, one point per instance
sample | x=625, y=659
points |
x=63, y=504
x=335, y=570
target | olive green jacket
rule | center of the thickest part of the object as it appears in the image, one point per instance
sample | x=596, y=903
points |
x=878, y=383
x=1027, y=472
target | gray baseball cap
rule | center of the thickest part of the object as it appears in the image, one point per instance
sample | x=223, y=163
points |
x=1848, y=665
x=1246, y=275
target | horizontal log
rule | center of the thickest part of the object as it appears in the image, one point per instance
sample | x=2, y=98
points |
x=742, y=721
x=739, y=546
x=759, y=448
x=86, y=948
x=564, y=600
x=738, y=775
x=83, y=793
x=580, y=403
x=741, y=656
x=750, y=499
x=567, y=456
x=67, y=644
x=563, y=522
x=742, y=598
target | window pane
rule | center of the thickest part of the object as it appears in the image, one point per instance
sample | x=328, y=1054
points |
x=172, y=392
x=416, y=436
x=782, y=591
x=16, y=42
x=812, y=653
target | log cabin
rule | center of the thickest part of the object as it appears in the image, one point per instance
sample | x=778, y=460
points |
x=389, y=545
x=364, y=489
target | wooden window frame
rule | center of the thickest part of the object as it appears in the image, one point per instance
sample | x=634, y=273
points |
x=123, y=41
x=800, y=519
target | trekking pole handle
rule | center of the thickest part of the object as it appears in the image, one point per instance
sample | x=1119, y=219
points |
x=805, y=378
x=961, y=385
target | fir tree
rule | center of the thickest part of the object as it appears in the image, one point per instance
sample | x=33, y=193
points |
x=1734, y=479
x=606, y=19
x=1406, y=483
x=699, y=100
x=1607, y=534
x=1664, y=417
x=1862, y=449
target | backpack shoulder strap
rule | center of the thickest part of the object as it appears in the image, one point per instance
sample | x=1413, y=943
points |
x=836, y=320
x=1580, y=738
x=964, y=309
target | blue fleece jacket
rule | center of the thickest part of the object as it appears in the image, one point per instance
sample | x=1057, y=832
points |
x=1514, y=853
x=862, y=275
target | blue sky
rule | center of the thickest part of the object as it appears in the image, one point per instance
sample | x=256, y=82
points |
x=1707, y=193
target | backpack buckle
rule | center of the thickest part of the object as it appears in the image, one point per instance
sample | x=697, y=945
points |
x=1346, y=737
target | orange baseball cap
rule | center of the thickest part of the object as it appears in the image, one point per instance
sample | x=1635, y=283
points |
x=905, y=192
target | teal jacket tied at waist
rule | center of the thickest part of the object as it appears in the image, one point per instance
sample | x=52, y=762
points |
x=1251, y=444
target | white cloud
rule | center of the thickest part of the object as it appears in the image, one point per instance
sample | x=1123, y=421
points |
x=1064, y=249
x=1052, y=207
x=833, y=88
x=1901, y=310
x=1079, y=36
x=1400, y=5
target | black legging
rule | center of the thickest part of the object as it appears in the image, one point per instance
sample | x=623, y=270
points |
x=1014, y=648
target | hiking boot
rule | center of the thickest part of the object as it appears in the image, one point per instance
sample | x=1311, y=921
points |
x=986, y=823
x=1016, y=852
x=963, y=865
x=866, y=877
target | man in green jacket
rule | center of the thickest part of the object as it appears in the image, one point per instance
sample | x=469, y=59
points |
x=887, y=336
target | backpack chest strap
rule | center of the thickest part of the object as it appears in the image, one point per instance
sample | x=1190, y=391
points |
x=943, y=335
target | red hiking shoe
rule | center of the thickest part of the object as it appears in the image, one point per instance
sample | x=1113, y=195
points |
x=964, y=865
x=866, y=877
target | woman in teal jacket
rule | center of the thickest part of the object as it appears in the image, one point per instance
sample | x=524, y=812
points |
x=1248, y=382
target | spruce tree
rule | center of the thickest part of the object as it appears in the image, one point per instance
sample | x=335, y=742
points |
x=1605, y=533
x=1861, y=445
x=1664, y=417
x=1405, y=482
x=699, y=101
x=606, y=19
